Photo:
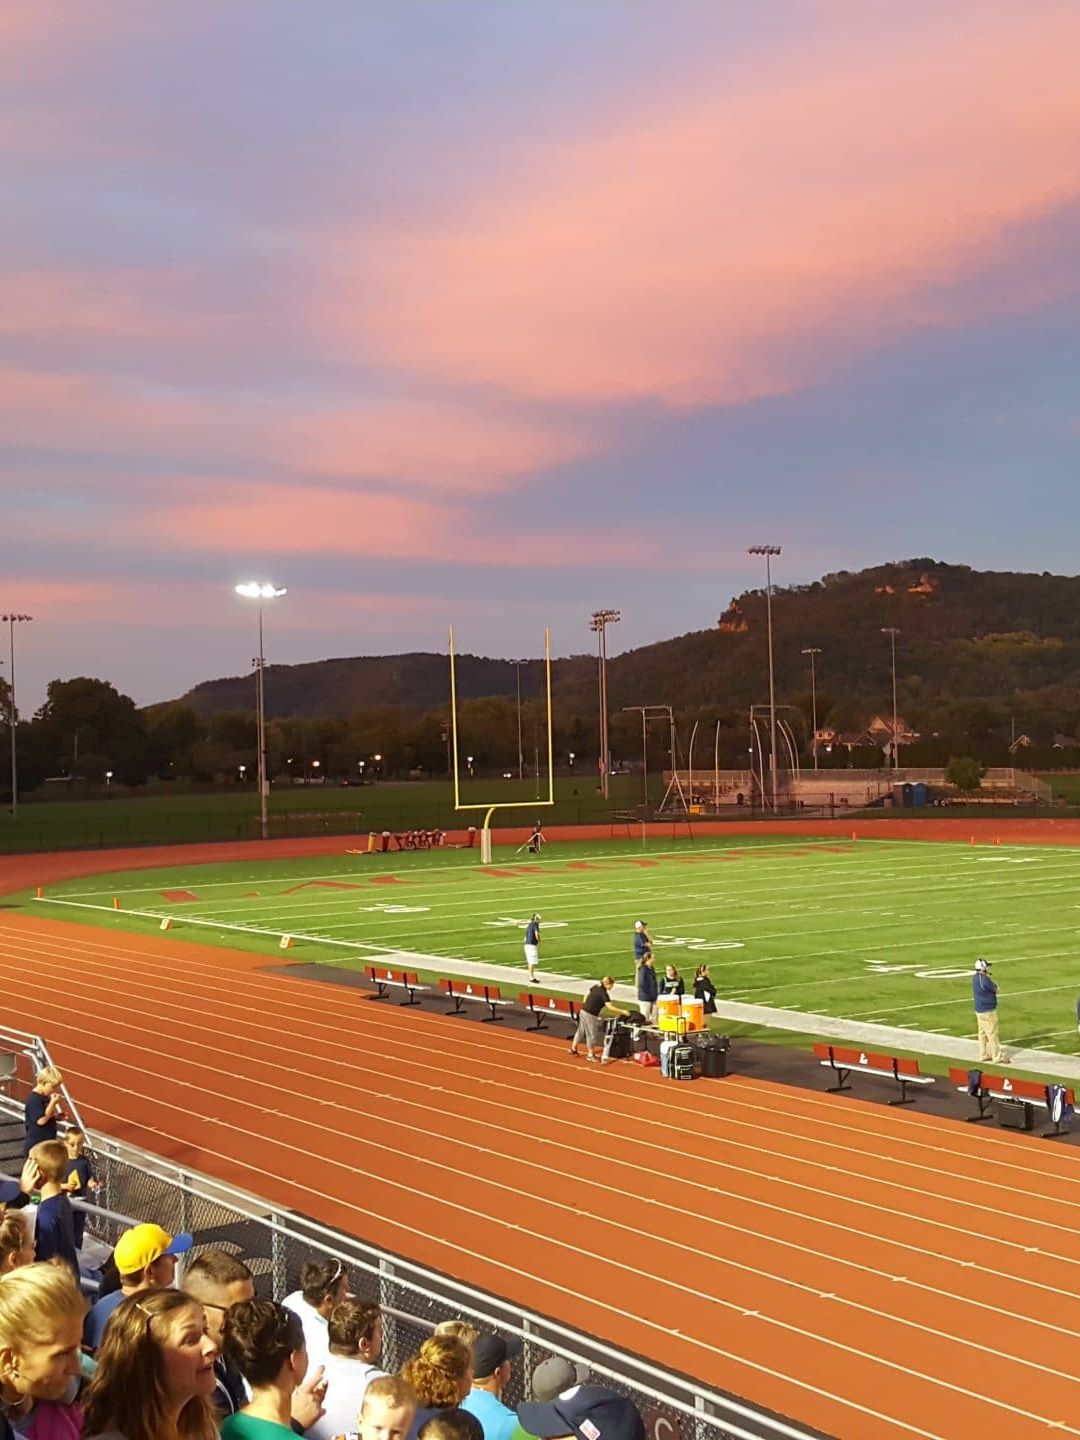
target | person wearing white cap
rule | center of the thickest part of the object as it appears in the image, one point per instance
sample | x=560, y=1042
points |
x=985, y=993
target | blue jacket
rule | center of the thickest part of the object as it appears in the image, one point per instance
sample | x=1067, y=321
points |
x=985, y=992
x=646, y=984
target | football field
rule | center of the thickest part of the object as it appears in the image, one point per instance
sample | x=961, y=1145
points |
x=874, y=930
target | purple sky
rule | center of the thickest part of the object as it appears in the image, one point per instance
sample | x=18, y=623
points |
x=500, y=312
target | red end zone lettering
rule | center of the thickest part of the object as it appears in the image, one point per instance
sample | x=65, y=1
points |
x=178, y=896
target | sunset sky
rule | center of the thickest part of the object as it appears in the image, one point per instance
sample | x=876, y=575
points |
x=497, y=311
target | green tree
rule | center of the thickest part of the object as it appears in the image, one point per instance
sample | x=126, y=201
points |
x=964, y=772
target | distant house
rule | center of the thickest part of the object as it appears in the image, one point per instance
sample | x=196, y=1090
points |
x=923, y=586
x=1022, y=742
x=733, y=621
x=1066, y=742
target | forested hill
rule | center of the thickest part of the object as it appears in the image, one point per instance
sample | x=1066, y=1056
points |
x=979, y=648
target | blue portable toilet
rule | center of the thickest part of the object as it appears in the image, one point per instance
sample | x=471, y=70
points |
x=920, y=793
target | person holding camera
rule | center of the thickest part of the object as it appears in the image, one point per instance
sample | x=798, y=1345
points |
x=985, y=993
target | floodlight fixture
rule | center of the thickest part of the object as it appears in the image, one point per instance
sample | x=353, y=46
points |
x=769, y=551
x=11, y=619
x=598, y=623
x=261, y=590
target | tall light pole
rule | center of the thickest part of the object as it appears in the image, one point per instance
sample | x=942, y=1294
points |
x=261, y=591
x=812, y=651
x=892, y=633
x=521, y=753
x=769, y=551
x=598, y=623
x=11, y=620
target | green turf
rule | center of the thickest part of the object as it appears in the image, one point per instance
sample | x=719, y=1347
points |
x=181, y=817
x=883, y=931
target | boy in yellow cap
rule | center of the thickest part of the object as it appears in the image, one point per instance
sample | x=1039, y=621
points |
x=145, y=1258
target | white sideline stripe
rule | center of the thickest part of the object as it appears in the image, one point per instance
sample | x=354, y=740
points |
x=859, y=1032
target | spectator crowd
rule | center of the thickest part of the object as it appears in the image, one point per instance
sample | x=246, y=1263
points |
x=165, y=1353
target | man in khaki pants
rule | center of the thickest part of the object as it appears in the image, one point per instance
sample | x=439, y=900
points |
x=986, y=1016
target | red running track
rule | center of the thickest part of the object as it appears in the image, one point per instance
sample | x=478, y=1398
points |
x=872, y=1273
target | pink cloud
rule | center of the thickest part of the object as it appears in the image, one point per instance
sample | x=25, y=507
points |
x=111, y=304
x=429, y=445
x=738, y=241
x=434, y=444
x=282, y=520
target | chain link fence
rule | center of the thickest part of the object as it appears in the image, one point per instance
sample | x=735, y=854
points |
x=274, y=1242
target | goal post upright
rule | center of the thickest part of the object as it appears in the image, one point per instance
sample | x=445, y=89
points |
x=490, y=807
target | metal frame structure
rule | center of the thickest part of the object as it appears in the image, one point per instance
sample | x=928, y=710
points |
x=598, y=623
x=488, y=806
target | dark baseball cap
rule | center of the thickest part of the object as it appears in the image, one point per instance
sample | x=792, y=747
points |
x=589, y=1411
x=490, y=1351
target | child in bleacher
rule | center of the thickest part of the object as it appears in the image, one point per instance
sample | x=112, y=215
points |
x=55, y=1232
x=80, y=1183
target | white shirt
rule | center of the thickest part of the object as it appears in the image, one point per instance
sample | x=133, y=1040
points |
x=347, y=1378
x=316, y=1329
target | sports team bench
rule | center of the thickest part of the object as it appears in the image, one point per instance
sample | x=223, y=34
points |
x=893, y=1067
x=1057, y=1100
x=387, y=980
x=459, y=991
x=540, y=1005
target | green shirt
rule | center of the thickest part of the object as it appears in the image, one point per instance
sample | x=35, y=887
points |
x=250, y=1427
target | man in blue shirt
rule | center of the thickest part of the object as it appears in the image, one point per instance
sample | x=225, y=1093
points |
x=491, y=1374
x=985, y=993
x=532, y=947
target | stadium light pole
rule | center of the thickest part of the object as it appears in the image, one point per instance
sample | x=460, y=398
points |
x=12, y=619
x=769, y=551
x=813, y=651
x=261, y=591
x=892, y=633
x=521, y=752
x=598, y=623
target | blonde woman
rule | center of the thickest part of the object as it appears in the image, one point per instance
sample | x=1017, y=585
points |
x=41, y=1316
x=441, y=1374
x=42, y=1110
x=155, y=1372
x=16, y=1242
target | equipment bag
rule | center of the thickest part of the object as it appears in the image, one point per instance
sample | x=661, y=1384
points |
x=1014, y=1115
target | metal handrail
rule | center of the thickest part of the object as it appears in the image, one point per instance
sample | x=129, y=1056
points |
x=690, y=1398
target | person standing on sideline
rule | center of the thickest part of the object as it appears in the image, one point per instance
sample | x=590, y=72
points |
x=985, y=992
x=590, y=1027
x=647, y=987
x=704, y=989
x=532, y=947
x=672, y=983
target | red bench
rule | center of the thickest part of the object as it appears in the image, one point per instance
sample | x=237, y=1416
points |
x=892, y=1067
x=387, y=980
x=459, y=991
x=540, y=1005
x=1032, y=1093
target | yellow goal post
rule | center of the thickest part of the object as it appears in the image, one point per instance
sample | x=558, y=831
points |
x=491, y=806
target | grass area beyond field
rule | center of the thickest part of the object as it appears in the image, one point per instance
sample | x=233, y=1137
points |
x=882, y=931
